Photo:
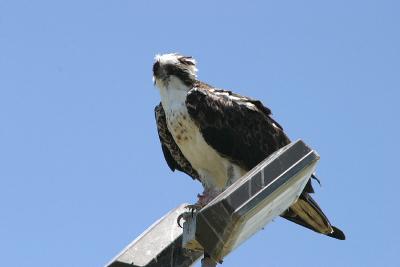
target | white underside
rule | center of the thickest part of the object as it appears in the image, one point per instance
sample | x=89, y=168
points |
x=216, y=172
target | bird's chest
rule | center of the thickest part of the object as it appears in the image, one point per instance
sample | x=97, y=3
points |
x=188, y=136
x=180, y=125
x=193, y=146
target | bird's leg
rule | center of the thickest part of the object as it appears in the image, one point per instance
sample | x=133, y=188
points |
x=207, y=196
x=202, y=199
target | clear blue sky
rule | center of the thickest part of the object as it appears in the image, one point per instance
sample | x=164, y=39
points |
x=81, y=168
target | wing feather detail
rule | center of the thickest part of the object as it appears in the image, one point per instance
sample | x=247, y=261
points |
x=237, y=127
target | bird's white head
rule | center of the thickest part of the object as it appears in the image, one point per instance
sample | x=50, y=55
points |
x=168, y=65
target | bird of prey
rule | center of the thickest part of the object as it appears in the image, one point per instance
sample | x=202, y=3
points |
x=216, y=136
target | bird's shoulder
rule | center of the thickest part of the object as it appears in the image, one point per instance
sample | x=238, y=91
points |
x=209, y=97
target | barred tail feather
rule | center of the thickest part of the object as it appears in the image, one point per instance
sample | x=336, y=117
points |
x=307, y=213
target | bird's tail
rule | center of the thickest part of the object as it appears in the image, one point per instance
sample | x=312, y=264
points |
x=307, y=213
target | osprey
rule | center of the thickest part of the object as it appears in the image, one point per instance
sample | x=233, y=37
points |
x=216, y=136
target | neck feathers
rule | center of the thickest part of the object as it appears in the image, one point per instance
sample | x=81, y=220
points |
x=174, y=93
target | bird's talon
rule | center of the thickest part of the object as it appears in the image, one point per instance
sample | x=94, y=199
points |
x=192, y=209
x=178, y=220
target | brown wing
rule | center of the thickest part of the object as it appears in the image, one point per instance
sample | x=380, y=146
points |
x=237, y=127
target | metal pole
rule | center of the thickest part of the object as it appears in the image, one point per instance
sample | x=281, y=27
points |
x=207, y=261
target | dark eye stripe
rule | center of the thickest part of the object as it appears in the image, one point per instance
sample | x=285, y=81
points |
x=156, y=67
x=181, y=73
